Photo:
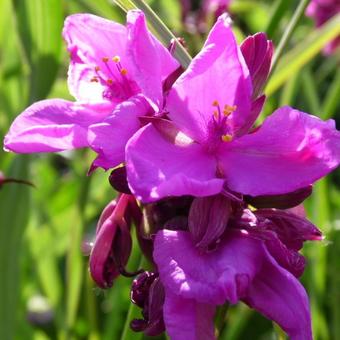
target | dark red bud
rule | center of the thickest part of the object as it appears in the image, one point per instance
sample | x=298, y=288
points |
x=113, y=243
x=118, y=180
x=147, y=292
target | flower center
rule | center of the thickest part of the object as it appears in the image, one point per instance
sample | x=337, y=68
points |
x=219, y=129
x=114, y=77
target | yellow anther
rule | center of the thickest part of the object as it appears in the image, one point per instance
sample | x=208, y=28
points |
x=110, y=81
x=124, y=71
x=105, y=59
x=215, y=113
x=97, y=68
x=215, y=103
x=94, y=80
x=227, y=138
x=229, y=109
x=116, y=59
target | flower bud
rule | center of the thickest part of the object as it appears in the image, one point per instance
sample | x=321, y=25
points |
x=113, y=243
x=118, y=180
x=147, y=292
x=257, y=52
x=208, y=218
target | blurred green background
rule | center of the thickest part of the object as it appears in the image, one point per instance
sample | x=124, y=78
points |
x=45, y=288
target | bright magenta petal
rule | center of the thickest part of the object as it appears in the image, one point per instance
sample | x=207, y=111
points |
x=53, y=125
x=89, y=39
x=279, y=296
x=109, y=137
x=208, y=277
x=158, y=168
x=187, y=319
x=151, y=62
x=218, y=73
x=289, y=151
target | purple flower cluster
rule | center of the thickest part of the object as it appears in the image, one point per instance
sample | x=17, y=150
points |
x=219, y=215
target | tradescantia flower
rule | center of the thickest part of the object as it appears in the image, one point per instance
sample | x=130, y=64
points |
x=116, y=73
x=321, y=11
x=208, y=144
x=254, y=258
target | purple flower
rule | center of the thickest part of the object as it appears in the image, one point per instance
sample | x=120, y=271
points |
x=254, y=260
x=321, y=11
x=241, y=269
x=116, y=73
x=211, y=145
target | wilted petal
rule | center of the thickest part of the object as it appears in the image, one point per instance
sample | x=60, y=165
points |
x=208, y=218
x=110, y=137
x=285, y=201
x=148, y=293
x=279, y=296
x=291, y=150
x=292, y=229
x=187, y=319
x=217, y=73
x=158, y=168
x=151, y=62
x=53, y=125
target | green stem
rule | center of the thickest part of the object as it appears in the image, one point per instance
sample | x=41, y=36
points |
x=220, y=320
x=331, y=102
x=277, y=13
x=288, y=32
x=133, y=312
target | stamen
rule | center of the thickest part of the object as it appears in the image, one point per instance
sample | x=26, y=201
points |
x=94, y=80
x=227, y=138
x=229, y=109
x=116, y=59
x=215, y=103
x=110, y=81
x=215, y=113
x=123, y=71
x=97, y=68
x=105, y=59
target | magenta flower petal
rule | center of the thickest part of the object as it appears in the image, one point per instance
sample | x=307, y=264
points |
x=151, y=62
x=214, y=277
x=257, y=52
x=109, y=137
x=290, y=151
x=53, y=125
x=217, y=74
x=186, y=319
x=90, y=39
x=279, y=296
x=157, y=168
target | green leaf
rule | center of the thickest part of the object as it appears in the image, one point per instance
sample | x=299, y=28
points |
x=39, y=25
x=14, y=213
x=304, y=52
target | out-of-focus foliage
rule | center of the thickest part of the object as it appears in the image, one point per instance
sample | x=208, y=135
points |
x=45, y=289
